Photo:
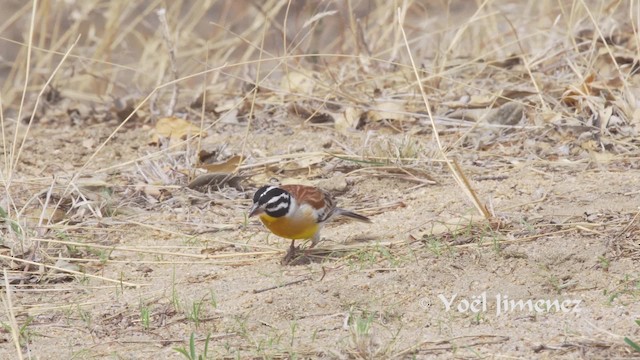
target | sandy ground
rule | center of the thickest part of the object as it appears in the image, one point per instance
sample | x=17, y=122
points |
x=402, y=289
x=536, y=102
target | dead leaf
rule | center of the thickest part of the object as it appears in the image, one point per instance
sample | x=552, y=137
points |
x=508, y=114
x=307, y=161
x=154, y=193
x=547, y=117
x=513, y=94
x=471, y=102
x=148, y=189
x=229, y=110
x=300, y=166
x=575, y=93
x=388, y=110
x=314, y=117
x=125, y=107
x=89, y=143
x=216, y=180
x=50, y=215
x=209, y=105
x=95, y=187
x=228, y=166
x=604, y=115
x=94, y=181
x=507, y=63
x=205, y=156
x=297, y=82
x=336, y=184
x=348, y=120
x=63, y=264
x=176, y=129
x=469, y=114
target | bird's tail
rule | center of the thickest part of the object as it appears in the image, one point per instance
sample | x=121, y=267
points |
x=352, y=215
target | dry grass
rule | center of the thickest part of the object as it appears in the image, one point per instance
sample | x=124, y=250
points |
x=383, y=103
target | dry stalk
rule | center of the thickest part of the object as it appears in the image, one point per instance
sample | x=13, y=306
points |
x=257, y=291
x=8, y=306
x=162, y=16
x=167, y=253
x=119, y=282
x=14, y=157
x=458, y=175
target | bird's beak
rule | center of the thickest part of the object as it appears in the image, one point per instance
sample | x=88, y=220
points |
x=255, y=210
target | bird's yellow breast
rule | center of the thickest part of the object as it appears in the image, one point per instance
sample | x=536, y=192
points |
x=299, y=227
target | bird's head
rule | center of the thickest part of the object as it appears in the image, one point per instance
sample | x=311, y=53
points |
x=272, y=201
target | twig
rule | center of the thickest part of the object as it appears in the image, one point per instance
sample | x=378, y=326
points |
x=14, y=158
x=453, y=343
x=155, y=341
x=119, y=282
x=281, y=286
x=15, y=334
x=16, y=153
x=157, y=252
x=162, y=15
x=456, y=171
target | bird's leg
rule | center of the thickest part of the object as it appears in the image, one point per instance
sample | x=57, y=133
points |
x=315, y=240
x=290, y=254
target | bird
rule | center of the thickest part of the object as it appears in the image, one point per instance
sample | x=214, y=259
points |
x=297, y=212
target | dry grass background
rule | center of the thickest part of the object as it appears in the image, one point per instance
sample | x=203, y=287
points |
x=485, y=138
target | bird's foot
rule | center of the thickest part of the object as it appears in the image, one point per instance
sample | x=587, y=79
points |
x=295, y=257
x=289, y=256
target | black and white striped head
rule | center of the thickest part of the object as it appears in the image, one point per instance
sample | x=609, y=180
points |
x=271, y=200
